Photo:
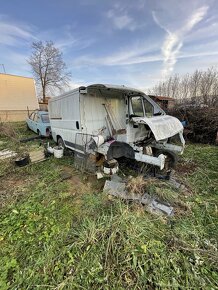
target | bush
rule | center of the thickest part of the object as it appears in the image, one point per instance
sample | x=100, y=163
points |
x=202, y=123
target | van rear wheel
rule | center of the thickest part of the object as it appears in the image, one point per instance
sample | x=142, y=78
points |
x=61, y=142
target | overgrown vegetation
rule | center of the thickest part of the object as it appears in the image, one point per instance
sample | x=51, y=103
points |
x=199, y=88
x=67, y=234
x=202, y=123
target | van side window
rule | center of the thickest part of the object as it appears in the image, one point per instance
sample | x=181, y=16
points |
x=137, y=107
x=149, y=110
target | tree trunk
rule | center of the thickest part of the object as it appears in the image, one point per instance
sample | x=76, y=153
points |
x=43, y=94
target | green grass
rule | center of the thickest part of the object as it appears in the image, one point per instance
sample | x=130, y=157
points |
x=66, y=235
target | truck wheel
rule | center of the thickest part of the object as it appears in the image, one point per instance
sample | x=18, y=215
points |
x=170, y=162
x=61, y=142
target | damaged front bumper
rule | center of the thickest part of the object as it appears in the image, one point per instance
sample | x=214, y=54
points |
x=171, y=147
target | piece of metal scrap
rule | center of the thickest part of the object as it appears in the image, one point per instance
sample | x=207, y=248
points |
x=152, y=205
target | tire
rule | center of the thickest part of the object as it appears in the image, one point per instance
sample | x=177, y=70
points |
x=171, y=159
x=61, y=143
x=22, y=161
x=170, y=162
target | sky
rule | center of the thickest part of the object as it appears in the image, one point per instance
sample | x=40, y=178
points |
x=126, y=42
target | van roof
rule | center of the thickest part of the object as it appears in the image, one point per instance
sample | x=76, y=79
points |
x=106, y=87
x=109, y=87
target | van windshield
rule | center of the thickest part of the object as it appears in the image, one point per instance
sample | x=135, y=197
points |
x=149, y=109
x=141, y=107
x=137, y=106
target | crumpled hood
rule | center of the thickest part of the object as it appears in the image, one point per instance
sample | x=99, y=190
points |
x=163, y=127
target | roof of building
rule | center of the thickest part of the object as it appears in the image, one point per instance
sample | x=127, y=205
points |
x=16, y=76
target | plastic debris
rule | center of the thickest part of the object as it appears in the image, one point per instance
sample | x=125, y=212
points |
x=4, y=154
x=99, y=175
x=37, y=156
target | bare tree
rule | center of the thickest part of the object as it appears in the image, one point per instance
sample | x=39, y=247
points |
x=48, y=67
x=195, y=82
x=199, y=88
x=184, y=87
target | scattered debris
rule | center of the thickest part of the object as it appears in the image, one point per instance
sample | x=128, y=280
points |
x=37, y=155
x=116, y=178
x=58, y=152
x=115, y=188
x=30, y=139
x=65, y=175
x=110, y=167
x=175, y=182
x=22, y=160
x=50, y=149
x=99, y=175
x=7, y=154
x=152, y=205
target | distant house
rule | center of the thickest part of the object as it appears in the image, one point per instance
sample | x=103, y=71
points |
x=166, y=103
x=16, y=94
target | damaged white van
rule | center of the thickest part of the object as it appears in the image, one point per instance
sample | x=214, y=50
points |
x=114, y=121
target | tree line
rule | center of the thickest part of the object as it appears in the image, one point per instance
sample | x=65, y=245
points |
x=199, y=88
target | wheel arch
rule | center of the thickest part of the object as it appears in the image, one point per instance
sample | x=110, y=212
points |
x=120, y=149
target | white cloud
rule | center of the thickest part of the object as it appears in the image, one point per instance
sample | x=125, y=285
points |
x=65, y=38
x=77, y=84
x=13, y=33
x=17, y=34
x=121, y=19
x=174, y=39
x=135, y=54
x=206, y=32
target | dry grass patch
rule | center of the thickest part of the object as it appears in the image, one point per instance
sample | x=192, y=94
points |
x=139, y=185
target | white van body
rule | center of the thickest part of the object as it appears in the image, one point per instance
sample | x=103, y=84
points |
x=115, y=121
